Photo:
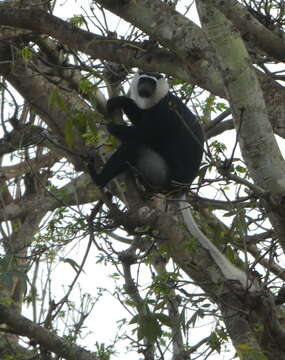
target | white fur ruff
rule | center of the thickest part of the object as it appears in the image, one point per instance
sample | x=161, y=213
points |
x=161, y=91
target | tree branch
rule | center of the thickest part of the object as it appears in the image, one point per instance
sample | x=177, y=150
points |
x=194, y=64
x=256, y=138
x=42, y=336
x=270, y=42
x=78, y=191
x=29, y=166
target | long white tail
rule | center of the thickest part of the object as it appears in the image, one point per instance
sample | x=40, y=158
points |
x=230, y=271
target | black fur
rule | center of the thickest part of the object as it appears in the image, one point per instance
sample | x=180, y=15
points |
x=163, y=145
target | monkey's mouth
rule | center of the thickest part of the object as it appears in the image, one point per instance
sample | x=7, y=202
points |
x=146, y=87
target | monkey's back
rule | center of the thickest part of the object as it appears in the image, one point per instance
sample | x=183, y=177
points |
x=172, y=130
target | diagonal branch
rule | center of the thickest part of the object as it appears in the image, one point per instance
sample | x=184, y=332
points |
x=78, y=191
x=258, y=144
x=124, y=52
x=29, y=166
x=42, y=336
x=193, y=62
x=271, y=42
x=189, y=42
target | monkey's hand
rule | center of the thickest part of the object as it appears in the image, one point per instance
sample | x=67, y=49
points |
x=117, y=103
x=124, y=133
x=126, y=104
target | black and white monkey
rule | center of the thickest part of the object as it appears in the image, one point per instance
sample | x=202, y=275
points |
x=164, y=145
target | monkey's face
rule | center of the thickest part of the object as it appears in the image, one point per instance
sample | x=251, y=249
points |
x=147, y=89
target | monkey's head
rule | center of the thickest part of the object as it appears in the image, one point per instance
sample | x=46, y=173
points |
x=148, y=88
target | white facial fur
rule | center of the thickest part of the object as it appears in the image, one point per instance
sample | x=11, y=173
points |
x=146, y=103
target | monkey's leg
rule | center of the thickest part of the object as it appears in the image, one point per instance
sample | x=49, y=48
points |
x=152, y=168
x=118, y=163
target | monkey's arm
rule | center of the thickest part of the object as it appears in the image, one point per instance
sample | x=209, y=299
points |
x=125, y=133
x=126, y=104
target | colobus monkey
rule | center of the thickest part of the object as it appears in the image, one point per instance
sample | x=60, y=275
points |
x=164, y=146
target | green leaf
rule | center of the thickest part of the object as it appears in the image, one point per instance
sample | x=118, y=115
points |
x=239, y=223
x=56, y=100
x=6, y=301
x=85, y=86
x=134, y=320
x=245, y=350
x=215, y=342
x=230, y=254
x=195, y=317
x=92, y=126
x=221, y=106
x=72, y=263
x=26, y=53
x=68, y=133
x=77, y=20
x=240, y=169
x=149, y=328
x=202, y=171
x=164, y=319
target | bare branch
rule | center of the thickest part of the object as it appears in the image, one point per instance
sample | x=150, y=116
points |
x=271, y=42
x=29, y=166
x=42, y=336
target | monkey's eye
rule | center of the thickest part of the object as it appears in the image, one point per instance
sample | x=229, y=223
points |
x=151, y=74
x=158, y=75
